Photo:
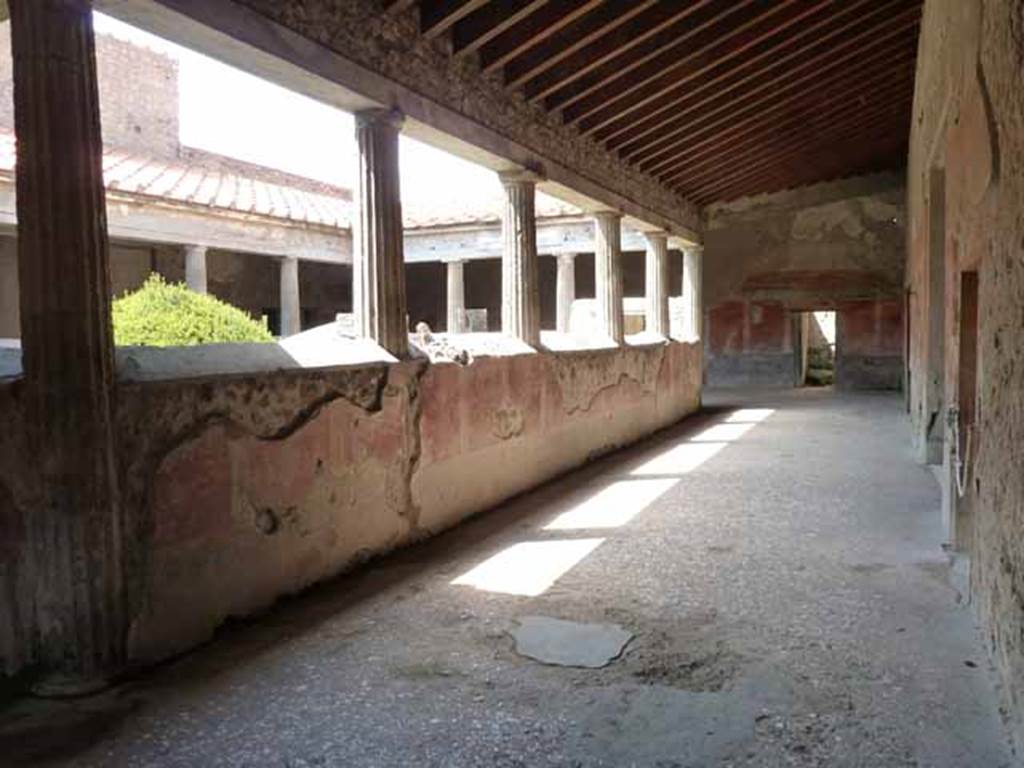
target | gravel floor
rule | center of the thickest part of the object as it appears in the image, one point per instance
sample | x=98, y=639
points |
x=779, y=566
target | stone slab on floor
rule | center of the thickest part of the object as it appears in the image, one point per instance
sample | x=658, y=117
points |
x=569, y=643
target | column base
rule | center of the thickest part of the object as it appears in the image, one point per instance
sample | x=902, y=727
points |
x=62, y=686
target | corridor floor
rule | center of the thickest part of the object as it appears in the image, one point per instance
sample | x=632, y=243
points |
x=777, y=560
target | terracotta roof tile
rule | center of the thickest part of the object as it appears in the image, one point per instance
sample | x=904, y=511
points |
x=195, y=185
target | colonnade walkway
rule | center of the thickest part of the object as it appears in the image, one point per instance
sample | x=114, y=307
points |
x=765, y=581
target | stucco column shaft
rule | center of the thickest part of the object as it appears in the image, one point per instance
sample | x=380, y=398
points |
x=291, y=305
x=565, y=291
x=73, y=565
x=195, y=268
x=608, y=274
x=693, y=304
x=456, y=296
x=378, y=270
x=656, y=283
x=520, y=292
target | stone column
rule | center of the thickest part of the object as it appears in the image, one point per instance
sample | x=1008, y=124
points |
x=520, y=292
x=291, y=305
x=195, y=268
x=378, y=269
x=566, y=290
x=456, y=296
x=656, y=283
x=73, y=569
x=693, y=303
x=608, y=274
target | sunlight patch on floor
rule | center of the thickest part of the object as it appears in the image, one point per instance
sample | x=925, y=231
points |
x=749, y=415
x=679, y=459
x=612, y=506
x=529, y=568
x=722, y=433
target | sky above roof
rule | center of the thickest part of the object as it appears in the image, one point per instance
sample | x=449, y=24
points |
x=230, y=112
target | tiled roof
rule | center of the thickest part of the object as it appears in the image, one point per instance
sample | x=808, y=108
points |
x=194, y=185
x=478, y=209
x=214, y=190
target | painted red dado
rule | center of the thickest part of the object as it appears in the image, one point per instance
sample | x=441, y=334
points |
x=769, y=327
x=724, y=328
x=264, y=485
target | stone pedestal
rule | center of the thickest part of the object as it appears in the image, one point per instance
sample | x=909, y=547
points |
x=692, y=257
x=195, y=268
x=520, y=292
x=456, y=297
x=656, y=283
x=608, y=274
x=73, y=568
x=378, y=269
x=291, y=305
x=565, y=291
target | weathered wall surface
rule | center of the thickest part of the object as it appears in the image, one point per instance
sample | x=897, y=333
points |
x=969, y=124
x=138, y=95
x=240, y=490
x=837, y=245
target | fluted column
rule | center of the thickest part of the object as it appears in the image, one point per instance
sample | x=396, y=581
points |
x=456, y=296
x=565, y=291
x=608, y=274
x=692, y=300
x=195, y=268
x=656, y=283
x=291, y=304
x=378, y=269
x=520, y=293
x=73, y=566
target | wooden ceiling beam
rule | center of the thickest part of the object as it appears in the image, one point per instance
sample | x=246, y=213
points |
x=398, y=6
x=664, y=18
x=813, y=170
x=574, y=37
x=799, y=131
x=843, y=86
x=833, y=170
x=629, y=93
x=480, y=27
x=768, y=87
x=660, y=98
x=437, y=16
x=861, y=133
x=672, y=41
x=879, y=119
x=533, y=30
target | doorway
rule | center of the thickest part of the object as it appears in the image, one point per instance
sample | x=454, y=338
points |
x=963, y=418
x=818, y=348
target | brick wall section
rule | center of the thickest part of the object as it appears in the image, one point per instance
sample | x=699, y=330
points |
x=138, y=95
x=969, y=118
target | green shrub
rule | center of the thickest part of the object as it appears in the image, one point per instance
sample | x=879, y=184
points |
x=162, y=314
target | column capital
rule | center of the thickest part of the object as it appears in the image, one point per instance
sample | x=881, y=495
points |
x=566, y=257
x=380, y=117
x=695, y=250
x=519, y=176
x=658, y=235
x=606, y=214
